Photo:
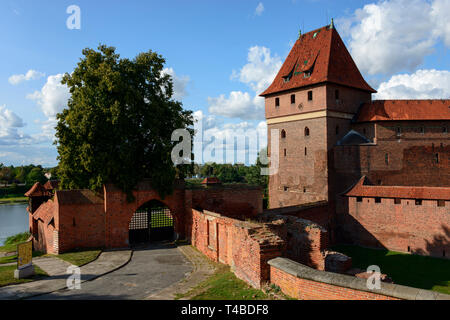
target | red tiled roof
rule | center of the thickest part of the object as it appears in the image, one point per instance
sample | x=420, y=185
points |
x=51, y=184
x=323, y=52
x=386, y=110
x=211, y=180
x=84, y=196
x=45, y=212
x=363, y=189
x=37, y=190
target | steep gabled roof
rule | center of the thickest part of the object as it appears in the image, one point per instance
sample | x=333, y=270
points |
x=316, y=57
x=45, y=212
x=391, y=110
x=363, y=189
x=37, y=190
x=51, y=185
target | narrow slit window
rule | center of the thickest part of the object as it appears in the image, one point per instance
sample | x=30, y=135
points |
x=306, y=131
x=283, y=134
x=336, y=94
x=277, y=102
x=386, y=158
x=310, y=95
x=292, y=98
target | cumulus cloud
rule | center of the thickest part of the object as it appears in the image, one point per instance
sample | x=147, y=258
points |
x=394, y=35
x=30, y=75
x=259, y=9
x=237, y=105
x=179, y=83
x=422, y=84
x=258, y=73
x=9, y=128
x=220, y=142
x=53, y=96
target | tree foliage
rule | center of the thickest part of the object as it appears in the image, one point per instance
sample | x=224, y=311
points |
x=118, y=124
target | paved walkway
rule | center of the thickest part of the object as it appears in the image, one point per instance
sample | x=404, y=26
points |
x=151, y=269
x=202, y=269
x=107, y=262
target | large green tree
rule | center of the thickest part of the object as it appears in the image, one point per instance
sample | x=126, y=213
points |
x=118, y=124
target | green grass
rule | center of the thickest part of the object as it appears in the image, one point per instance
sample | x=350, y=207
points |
x=405, y=269
x=12, y=241
x=13, y=258
x=223, y=285
x=79, y=257
x=7, y=276
x=15, y=199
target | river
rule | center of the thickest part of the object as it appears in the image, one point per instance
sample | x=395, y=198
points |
x=13, y=220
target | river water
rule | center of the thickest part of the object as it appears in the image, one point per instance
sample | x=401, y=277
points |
x=13, y=220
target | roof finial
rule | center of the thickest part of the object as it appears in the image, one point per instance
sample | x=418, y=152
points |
x=332, y=24
x=299, y=33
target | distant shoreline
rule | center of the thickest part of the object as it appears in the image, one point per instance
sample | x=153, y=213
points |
x=13, y=201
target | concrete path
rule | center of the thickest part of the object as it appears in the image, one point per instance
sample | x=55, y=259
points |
x=151, y=269
x=107, y=262
x=203, y=268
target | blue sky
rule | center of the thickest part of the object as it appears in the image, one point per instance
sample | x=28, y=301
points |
x=220, y=53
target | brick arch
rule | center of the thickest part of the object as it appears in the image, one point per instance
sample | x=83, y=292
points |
x=119, y=212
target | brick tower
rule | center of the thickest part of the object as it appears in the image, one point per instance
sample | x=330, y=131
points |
x=311, y=101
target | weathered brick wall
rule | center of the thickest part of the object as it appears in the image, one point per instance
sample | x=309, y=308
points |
x=406, y=227
x=245, y=246
x=302, y=282
x=317, y=212
x=303, y=289
x=230, y=200
x=81, y=226
x=301, y=178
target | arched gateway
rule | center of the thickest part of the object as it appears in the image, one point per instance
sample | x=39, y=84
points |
x=152, y=221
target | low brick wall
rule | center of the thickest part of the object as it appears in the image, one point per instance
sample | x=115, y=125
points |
x=302, y=282
x=245, y=246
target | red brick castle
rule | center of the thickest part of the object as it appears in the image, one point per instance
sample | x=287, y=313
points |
x=382, y=166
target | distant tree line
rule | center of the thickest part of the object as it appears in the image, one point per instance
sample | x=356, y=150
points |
x=30, y=174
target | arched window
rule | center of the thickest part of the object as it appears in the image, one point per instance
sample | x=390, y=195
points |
x=306, y=131
x=283, y=134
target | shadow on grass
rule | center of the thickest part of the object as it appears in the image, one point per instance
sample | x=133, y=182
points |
x=405, y=269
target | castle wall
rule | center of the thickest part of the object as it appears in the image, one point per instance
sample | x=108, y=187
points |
x=405, y=227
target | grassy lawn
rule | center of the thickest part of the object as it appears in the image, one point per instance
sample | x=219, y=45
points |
x=405, y=269
x=81, y=257
x=7, y=276
x=13, y=258
x=223, y=285
x=11, y=242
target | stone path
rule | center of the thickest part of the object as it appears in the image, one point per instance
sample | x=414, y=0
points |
x=202, y=270
x=107, y=262
x=152, y=268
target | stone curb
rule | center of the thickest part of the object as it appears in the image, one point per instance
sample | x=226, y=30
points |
x=388, y=289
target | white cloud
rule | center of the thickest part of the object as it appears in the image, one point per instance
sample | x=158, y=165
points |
x=258, y=74
x=259, y=9
x=9, y=124
x=228, y=143
x=423, y=84
x=53, y=96
x=394, y=35
x=238, y=105
x=179, y=84
x=30, y=75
